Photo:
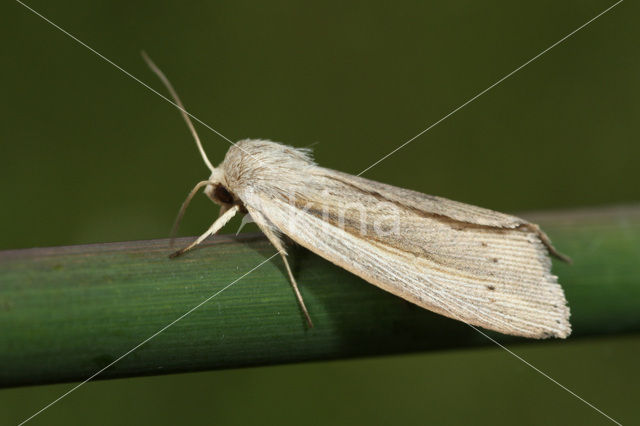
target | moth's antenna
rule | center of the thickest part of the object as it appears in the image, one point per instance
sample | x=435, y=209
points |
x=183, y=111
x=183, y=208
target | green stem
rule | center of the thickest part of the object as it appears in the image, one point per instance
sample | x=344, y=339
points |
x=67, y=312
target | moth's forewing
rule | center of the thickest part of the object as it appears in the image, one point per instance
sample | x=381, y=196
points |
x=479, y=266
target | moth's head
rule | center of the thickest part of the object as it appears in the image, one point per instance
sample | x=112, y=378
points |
x=217, y=191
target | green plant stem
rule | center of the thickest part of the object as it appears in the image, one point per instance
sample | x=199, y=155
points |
x=67, y=312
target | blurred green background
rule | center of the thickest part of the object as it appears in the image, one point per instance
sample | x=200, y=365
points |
x=90, y=155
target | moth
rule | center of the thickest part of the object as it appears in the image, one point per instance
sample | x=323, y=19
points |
x=485, y=268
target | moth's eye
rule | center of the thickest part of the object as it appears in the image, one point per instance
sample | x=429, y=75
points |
x=223, y=195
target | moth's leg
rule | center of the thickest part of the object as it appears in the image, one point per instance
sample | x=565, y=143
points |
x=215, y=227
x=273, y=238
x=294, y=284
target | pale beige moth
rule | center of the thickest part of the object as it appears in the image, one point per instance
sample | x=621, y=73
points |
x=469, y=263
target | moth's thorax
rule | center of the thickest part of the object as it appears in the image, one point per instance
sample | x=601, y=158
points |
x=254, y=165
